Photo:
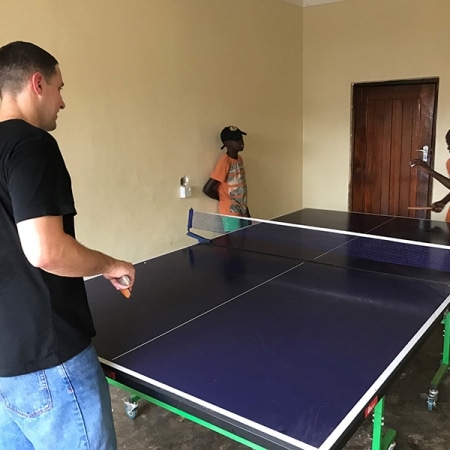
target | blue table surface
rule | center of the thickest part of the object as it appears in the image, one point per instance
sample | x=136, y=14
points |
x=291, y=343
x=409, y=228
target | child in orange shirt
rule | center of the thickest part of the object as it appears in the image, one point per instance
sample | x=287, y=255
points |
x=227, y=182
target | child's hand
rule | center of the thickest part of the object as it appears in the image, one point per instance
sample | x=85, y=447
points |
x=438, y=206
x=421, y=165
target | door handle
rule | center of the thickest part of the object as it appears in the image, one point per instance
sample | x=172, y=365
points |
x=424, y=151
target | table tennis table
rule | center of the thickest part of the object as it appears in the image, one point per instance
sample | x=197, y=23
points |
x=280, y=337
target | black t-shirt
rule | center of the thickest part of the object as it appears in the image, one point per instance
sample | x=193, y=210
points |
x=44, y=318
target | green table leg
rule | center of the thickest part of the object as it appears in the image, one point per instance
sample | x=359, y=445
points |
x=443, y=368
x=381, y=441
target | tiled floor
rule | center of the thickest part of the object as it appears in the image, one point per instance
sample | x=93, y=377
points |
x=406, y=411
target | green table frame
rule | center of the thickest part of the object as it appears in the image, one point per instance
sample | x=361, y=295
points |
x=380, y=440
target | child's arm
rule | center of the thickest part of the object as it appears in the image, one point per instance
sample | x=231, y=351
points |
x=423, y=166
x=210, y=189
x=440, y=204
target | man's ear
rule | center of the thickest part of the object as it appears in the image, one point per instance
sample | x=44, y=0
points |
x=36, y=82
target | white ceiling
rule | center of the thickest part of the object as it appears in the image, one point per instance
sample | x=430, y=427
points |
x=305, y=3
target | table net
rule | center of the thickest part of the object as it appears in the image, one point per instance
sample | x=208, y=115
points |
x=338, y=247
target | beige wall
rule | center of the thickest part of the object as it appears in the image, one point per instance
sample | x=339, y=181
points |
x=360, y=41
x=149, y=84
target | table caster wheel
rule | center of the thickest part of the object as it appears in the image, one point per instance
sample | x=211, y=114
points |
x=130, y=412
x=432, y=399
x=130, y=408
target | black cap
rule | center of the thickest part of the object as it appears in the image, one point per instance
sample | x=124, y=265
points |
x=231, y=133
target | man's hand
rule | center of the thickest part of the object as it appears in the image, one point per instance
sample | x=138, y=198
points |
x=121, y=275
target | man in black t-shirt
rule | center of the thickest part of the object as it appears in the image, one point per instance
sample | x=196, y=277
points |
x=53, y=394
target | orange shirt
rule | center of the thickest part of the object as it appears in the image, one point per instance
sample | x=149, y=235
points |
x=447, y=217
x=232, y=187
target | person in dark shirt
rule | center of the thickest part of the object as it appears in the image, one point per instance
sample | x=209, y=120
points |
x=53, y=394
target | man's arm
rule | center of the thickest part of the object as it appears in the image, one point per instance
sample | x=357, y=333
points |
x=424, y=167
x=48, y=247
x=210, y=189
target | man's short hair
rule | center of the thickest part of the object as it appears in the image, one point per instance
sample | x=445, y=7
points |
x=18, y=61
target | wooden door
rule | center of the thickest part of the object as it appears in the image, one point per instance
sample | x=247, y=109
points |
x=391, y=121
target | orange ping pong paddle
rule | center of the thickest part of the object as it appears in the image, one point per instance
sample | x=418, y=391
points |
x=125, y=279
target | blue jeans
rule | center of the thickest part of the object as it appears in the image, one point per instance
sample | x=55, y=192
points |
x=64, y=407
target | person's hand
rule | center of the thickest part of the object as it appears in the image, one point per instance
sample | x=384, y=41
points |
x=118, y=271
x=421, y=165
x=438, y=206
